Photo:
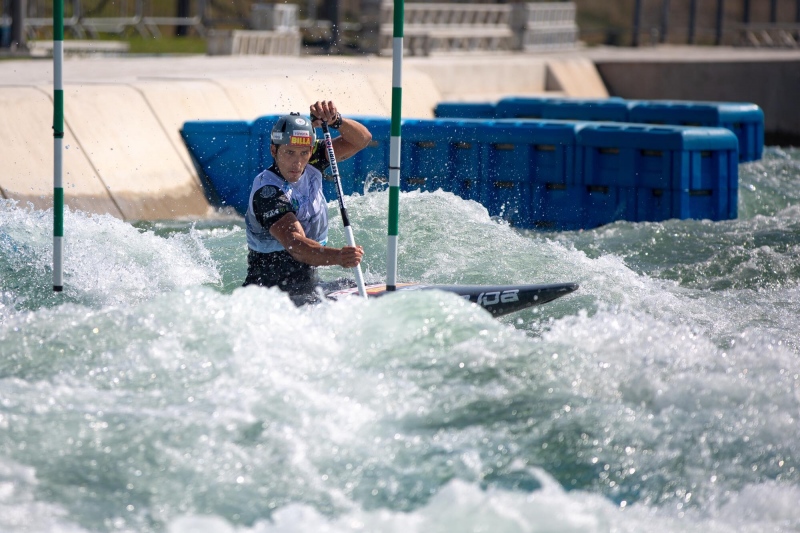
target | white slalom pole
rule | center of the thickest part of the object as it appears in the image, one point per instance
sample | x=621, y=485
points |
x=58, y=141
x=394, y=146
x=342, y=210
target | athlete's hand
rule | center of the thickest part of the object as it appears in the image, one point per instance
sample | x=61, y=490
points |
x=350, y=256
x=323, y=111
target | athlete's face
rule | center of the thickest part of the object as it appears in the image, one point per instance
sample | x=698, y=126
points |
x=291, y=160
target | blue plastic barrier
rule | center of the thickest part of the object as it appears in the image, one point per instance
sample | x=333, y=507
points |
x=677, y=171
x=659, y=204
x=505, y=180
x=492, y=162
x=744, y=119
x=521, y=107
x=465, y=162
x=464, y=110
x=369, y=165
x=574, y=207
x=260, y=132
x=515, y=156
x=613, y=109
x=441, y=154
x=606, y=204
x=665, y=157
x=558, y=207
x=221, y=153
x=536, y=174
x=229, y=154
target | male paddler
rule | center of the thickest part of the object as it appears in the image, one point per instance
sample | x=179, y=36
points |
x=287, y=214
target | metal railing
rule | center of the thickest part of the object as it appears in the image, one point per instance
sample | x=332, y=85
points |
x=444, y=27
x=123, y=17
x=769, y=35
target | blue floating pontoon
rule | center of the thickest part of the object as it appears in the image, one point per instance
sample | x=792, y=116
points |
x=550, y=174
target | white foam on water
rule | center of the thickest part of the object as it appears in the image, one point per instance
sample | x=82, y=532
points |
x=106, y=261
x=160, y=396
x=464, y=508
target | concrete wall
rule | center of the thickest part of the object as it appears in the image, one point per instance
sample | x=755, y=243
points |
x=769, y=79
x=123, y=152
x=26, y=156
x=124, y=156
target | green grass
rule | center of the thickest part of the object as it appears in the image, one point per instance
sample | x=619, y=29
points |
x=167, y=45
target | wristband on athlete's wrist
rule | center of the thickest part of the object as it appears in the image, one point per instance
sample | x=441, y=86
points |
x=337, y=121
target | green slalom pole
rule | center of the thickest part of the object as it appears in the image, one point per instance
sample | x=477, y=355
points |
x=394, y=147
x=58, y=141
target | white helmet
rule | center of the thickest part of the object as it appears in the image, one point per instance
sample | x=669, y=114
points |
x=293, y=129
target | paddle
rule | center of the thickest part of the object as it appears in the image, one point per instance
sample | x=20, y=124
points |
x=340, y=194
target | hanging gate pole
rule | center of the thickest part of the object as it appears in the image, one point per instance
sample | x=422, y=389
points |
x=394, y=146
x=58, y=141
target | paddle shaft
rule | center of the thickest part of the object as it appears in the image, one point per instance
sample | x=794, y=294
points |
x=342, y=209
